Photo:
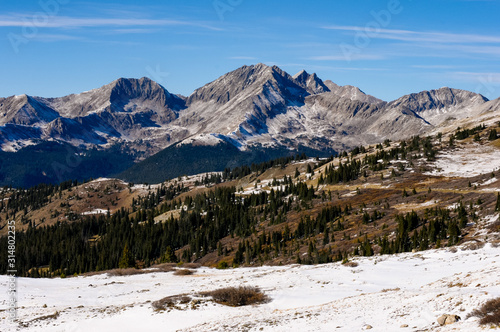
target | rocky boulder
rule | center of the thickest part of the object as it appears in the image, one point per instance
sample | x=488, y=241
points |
x=448, y=319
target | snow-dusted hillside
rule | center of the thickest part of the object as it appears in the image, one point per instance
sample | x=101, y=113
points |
x=385, y=292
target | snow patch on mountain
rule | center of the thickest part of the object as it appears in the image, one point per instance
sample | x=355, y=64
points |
x=467, y=162
x=201, y=139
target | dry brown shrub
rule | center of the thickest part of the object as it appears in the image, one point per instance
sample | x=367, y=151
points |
x=494, y=227
x=167, y=267
x=125, y=272
x=238, y=296
x=183, y=272
x=46, y=317
x=473, y=245
x=489, y=313
x=191, y=265
x=171, y=301
x=385, y=290
x=351, y=264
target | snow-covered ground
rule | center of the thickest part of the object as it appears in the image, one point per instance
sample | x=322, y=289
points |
x=95, y=211
x=467, y=162
x=386, y=292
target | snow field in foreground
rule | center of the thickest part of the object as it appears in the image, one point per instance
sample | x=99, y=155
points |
x=385, y=292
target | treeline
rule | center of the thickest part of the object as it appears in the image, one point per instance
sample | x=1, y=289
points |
x=417, y=233
x=33, y=198
x=414, y=148
x=101, y=242
x=242, y=171
x=239, y=172
x=287, y=244
x=461, y=134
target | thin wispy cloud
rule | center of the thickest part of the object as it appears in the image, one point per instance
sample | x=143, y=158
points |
x=341, y=57
x=485, y=77
x=433, y=66
x=23, y=20
x=129, y=31
x=418, y=36
x=55, y=37
x=461, y=50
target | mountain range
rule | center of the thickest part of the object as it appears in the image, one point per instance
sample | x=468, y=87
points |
x=256, y=112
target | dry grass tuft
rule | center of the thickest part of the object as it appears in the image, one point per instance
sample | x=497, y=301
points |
x=489, y=313
x=385, y=290
x=171, y=301
x=494, y=227
x=166, y=267
x=183, y=272
x=238, y=296
x=125, y=272
x=351, y=264
x=473, y=245
x=191, y=265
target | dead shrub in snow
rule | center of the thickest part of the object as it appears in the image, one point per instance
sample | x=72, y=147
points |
x=494, y=227
x=183, y=272
x=385, y=290
x=489, y=313
x=351, y=264
x=473, y=245
x=171, y=301
x=165, y=267
x=191, y=265
x=238, y=296
x=125, y=272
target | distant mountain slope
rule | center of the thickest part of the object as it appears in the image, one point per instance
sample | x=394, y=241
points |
x=194, y=158
x=352, y=92
x=52, y=162
x=250, y=107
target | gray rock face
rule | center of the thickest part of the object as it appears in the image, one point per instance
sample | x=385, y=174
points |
x=120, y=111
x=255, y=104
x=311, y=82
x=352, y=93
x=25, y=110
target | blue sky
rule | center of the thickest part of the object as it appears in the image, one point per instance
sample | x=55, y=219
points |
x=387, y=48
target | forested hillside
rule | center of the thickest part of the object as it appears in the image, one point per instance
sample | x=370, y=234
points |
x=382, y=199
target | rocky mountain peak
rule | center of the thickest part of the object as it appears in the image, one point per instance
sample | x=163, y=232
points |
x=249, y=106
x=351, y=92
x=130, y=94
x=311, y=82
x=25, y=110
x=439, y=99
x=251, y=79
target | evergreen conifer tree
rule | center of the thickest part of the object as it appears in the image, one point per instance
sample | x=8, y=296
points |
x=126, y=259
x=497, y=207
x=492, y=135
